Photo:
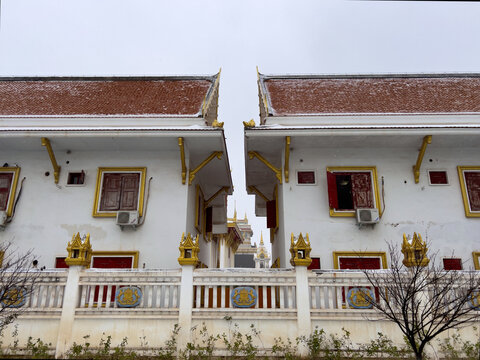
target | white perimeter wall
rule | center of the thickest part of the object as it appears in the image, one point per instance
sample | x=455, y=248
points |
x=48, y=215
x=436, y=212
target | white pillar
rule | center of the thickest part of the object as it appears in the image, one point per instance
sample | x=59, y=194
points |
x=71, y=297
x=222, y=254
x=303, y=306
x=186, y=304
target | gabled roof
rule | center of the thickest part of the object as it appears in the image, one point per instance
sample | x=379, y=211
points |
x=354, y=94
x=120, y=96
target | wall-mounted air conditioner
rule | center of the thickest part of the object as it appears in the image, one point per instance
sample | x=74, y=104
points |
x=127, y=219
x=367, y=216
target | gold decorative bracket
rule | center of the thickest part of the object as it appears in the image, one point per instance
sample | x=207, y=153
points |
x=182, y=156
x=193, y=172
x=252, y=188
x=277, y=171
x=416, y=168
x=56, y=168
x=208, y=201
x=287, y=157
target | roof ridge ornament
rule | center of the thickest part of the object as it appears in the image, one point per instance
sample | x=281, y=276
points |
x=249, y=124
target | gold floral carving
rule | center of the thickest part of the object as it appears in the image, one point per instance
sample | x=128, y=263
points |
x=300, y=251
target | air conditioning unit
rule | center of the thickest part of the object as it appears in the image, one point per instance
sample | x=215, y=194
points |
x=127, y=219
x=367, y=216
x=3, y=219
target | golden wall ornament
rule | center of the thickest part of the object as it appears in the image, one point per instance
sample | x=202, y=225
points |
x=249, y=124
x=416, y=168
x=414, y=254
x=79, y=253
x=300, y=251
x=56, y=167
x=189, y=250
x=217, y=124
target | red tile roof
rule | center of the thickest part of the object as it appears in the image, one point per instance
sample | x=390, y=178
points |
x=298, y=95
x=104, y=96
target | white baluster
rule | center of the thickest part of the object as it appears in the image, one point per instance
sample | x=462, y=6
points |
x=339, y=290
x=175, y=297
x=313, y=299
x=264, y=295
x=92, y=292
x=290, y=297
x=157, y=296
x=215, y=295
x=273, y=296
x=321, y=294
x=166, y=302
x=198, y=297
x=83, y=297
x=207, y=296
x=108, y=299
x=330, y=296
x=222, y=296
x=101, y=288
x=282, y=296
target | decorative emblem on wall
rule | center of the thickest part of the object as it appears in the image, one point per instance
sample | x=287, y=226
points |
x=244, y=297
x=14, y=297
x=360, y=298
x=128, y=296
x=475, y=300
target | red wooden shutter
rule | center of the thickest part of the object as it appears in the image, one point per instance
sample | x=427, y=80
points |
x=452, y=264
x=5, y=184
x=111, y=190
x=315, y=264
x=271, y=214
x=112, y=262
x=129, y=193
x=332, y=190
x=208, y=219
x=362, y=190
x=359, y=263
x=60, y=263
x=472, y=182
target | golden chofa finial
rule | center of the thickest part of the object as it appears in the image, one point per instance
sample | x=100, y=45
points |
x=217, y=124
x=79, y=253
x=300, y=251
x=261, y=238
x=414, y=254
x=189, y=250
x=249, y=124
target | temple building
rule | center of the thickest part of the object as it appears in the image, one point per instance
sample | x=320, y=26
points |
x=356, y=161
x=262, y=258
x=133, y=161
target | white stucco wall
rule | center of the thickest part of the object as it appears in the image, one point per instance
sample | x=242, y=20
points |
x=436, y=212
x=48, y=215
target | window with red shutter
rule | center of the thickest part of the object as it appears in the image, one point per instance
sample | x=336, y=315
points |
x=5, y=186
x=271, y=214
x=350, y=189
x=315, y=264
x=472, y=183
x=452, y=264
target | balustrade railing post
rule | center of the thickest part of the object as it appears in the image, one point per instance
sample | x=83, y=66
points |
x=71, y=299
x=185, y=308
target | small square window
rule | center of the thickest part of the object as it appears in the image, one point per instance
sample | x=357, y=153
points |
x=8, y=186
x=315, y=265
x=306, y=177
x=452, y=264
x=437, y=177
x=76, y=178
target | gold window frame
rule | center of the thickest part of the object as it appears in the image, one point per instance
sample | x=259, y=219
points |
x=463, y=187
x=476, y=259
x=13, y=187
x=133, y=254
x=376, y=194
x=199, y=209
x=98, y=189
x=359, y=254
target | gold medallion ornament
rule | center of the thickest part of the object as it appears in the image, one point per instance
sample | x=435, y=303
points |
x=244, y=297
x=128, y=296
x=300, y=251
x=414, y=254
x=79, y=253
x=189, y=250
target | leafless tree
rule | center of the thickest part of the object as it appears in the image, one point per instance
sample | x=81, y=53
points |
x=17, y=280
x=424, y=301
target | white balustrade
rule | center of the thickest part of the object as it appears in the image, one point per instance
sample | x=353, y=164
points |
x=159, y=288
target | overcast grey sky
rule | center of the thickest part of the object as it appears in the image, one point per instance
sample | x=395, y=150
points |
x=157, y=37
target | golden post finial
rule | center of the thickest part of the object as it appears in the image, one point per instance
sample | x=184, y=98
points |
x=261, y=238
x=414, y=254
x=300, y=251
x=235, y=211
x=79, y=253
x=189, y=250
